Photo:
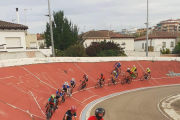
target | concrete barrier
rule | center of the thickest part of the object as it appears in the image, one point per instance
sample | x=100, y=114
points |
x=27, y=61
x=20, y=55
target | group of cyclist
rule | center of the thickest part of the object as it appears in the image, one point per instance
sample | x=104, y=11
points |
x=129, y=73
x=62, y=93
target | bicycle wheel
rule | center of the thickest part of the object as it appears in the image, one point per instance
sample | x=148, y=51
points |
x=109, y=82
x=49, y=114
x=97, y=85
x=123, y=81
x=142, y=78
x=85, y=86
x=149, y=77
x=80, y=87
x=130, y=80
x=136, y=75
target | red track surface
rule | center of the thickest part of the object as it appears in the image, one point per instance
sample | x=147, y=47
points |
x=22, y=86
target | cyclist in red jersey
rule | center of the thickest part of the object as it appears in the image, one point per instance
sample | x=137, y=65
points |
x=99, y=114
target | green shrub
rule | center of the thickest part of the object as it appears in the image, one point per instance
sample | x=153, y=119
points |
x=72, y=51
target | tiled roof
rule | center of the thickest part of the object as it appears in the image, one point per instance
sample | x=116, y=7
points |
x=105, y=34
x=159, y=35
x=8, y=25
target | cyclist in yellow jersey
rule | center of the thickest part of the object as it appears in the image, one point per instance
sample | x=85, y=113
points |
x=148, y=72
x=133, y=69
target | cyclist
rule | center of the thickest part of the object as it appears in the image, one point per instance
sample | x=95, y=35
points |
x=133, y=70
x=85, y=78
x=101, y=79
x=148, y=72
x=128, y=74
x=73, y=83
x=59, y=95
x=114, y=76
x=70, y=113
x=65, y=87
x=99, y=114
x=51, y=104
x=85, y=81
x=118, y=66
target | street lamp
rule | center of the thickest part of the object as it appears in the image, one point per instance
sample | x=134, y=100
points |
x=147, y=32
x=50, y=22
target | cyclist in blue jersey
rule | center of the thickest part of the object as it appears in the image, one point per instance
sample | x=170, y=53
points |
x=59, y=95
x=118, y=66
x=73, y=83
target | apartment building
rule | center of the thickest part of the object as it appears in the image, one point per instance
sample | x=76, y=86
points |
x=169, y=26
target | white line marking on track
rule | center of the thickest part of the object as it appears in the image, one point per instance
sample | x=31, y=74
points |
x=37, y=103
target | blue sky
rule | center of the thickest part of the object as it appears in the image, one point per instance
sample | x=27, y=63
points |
x=93, y=14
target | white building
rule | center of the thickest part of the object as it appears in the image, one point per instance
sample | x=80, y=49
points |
x=40, y=41
x=133, y=31
x=12, y=36
x=157, y=40
x=97, y=36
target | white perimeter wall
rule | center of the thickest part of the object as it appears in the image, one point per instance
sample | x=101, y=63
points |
x=21, y=55
x=129, y=42
x=12, y=33
x=157, y=43
x=142, y=54
x=28, y=61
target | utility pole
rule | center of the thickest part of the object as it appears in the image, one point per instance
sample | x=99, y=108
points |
x=50, y=22
x=147, y=32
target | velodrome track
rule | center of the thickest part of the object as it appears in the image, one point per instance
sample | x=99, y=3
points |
x=24, y=90
x=137, y=105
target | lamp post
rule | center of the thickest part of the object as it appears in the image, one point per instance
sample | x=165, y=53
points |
x=50, y=22
x=147, y=32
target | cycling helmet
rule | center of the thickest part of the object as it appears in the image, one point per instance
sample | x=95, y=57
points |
x=128, y=68
x=52, y=96
x=114, y=71
x=133, y=65
x=73, y=79
x=65, y=83
x=147, y=68
x=101, y=74
x=98, y=111
x=73, y=109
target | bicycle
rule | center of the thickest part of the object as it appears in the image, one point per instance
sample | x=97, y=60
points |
x=145, y=77
x=49, y=115
x=56, y=105
x=63, y=98
x=98, y=83
x=135, y=75
x=112, y=81
x=83, y=86
x=126, y=80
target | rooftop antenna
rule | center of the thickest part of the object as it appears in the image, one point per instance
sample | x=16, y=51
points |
x=25, y=14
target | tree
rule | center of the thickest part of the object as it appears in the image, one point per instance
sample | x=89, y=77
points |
x=105, y=49
x=65, y=33
x=177, y=49
x=47, y=35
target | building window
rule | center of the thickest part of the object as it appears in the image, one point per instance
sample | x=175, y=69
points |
x=142, y=45
x=172, y=44
x=164, y=44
